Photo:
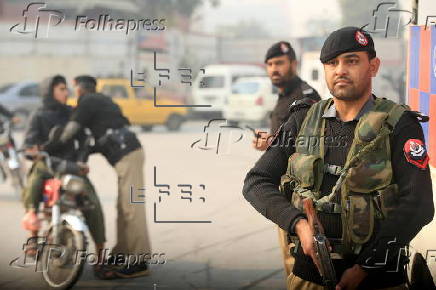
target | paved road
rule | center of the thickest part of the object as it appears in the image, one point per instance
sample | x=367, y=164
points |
x=237, y=250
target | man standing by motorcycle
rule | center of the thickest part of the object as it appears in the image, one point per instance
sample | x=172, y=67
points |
x=54, y=113
x=124, y=152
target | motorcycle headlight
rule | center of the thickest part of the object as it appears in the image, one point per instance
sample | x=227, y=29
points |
x=73, y=184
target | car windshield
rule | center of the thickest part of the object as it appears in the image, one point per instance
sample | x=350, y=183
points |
x=4, y=88
x=245, y=88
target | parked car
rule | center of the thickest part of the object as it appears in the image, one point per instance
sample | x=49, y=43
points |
x=251, y=101
x=214, y=85
x=140, y=109
x=21, y=98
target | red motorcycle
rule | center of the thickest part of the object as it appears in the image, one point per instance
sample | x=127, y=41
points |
x=63, y=226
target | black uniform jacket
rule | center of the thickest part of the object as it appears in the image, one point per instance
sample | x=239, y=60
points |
x=295, y=90
x=45, y=118
x=99, y=113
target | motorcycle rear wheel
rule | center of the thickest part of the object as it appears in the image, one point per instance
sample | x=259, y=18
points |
x=61, y=266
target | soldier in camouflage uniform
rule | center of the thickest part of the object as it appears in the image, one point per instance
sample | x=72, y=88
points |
x=363, y=161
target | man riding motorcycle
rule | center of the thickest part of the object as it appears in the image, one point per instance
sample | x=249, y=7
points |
x=54, y=113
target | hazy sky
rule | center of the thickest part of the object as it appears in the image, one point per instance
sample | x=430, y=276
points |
x=282, y=18
x=279, y=17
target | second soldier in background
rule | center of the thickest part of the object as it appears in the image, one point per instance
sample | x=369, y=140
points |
x=281, y=65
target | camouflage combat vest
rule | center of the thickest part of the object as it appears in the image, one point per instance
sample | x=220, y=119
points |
x=365, y=184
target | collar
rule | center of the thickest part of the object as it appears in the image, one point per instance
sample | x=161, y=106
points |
x=290, y=86
x=84, y=96
x=331, y=111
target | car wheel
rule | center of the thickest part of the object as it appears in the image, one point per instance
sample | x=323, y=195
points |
x=233, y=123
x=146, y=128
x=174, y=122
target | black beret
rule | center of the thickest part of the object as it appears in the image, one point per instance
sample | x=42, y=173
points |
x=280, y=48
x=346, y=39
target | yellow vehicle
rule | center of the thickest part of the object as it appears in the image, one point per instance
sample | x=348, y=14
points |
x=141, y=110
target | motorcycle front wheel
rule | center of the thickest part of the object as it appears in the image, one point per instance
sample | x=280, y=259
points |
x=61, y=265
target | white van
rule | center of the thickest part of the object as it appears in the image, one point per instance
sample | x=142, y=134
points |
x=252, y=101
x=312, y=71
x=215, y=85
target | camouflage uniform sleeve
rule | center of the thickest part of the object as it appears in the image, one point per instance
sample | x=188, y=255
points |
x=261, y=185
x=414, y=206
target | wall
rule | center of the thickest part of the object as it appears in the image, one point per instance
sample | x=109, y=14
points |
x=421, y=81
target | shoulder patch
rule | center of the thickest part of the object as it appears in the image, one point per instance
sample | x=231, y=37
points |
x=301, y=103
x=420, y=116
x=416, y=153
x=307, y=90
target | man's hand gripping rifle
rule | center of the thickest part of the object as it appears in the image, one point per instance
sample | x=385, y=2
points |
x=321, y=245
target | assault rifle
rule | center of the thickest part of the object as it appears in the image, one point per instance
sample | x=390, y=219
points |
x=323, y=261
